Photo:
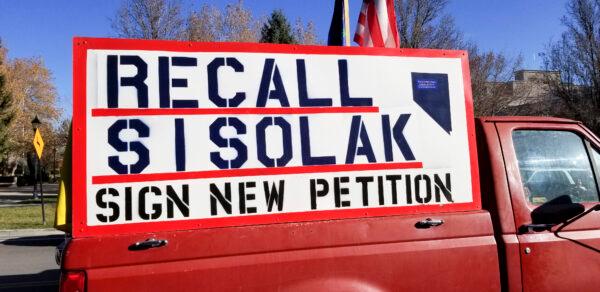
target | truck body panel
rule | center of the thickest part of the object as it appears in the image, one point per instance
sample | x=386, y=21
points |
x=371, y=254
x=529, y=218
x=368, y=252
x=565, y=257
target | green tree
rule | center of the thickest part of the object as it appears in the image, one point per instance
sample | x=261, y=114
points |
x=6, y=109
x=277, y=30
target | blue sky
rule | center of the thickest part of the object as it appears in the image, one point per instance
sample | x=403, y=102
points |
x=39, y=28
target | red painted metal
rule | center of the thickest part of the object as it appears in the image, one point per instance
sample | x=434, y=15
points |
x=496, y=193
x=471, y=251
x=469, y=114
x=522, y=210
x=560, y=259
x=80, y=47
x=72, y=281
x=526, y=119
x=366, y=254
x=110, y=230
x=496, y=199
x=78, y=164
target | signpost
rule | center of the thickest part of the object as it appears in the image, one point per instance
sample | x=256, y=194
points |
x=38, y=144
x=180, y=135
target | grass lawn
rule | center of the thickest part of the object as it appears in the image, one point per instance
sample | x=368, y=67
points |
x=28, y=216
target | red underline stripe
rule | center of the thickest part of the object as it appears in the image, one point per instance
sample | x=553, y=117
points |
x=117, y=112
x=125, y=178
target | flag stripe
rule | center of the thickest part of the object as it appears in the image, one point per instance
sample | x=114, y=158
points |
x=359, y=36
x=374, y=25
x=377, y=25
x=382, y=19
x=392, y=19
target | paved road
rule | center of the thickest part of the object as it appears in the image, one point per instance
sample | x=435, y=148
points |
x=48, y=189
x=20, y=196
x=27, y=264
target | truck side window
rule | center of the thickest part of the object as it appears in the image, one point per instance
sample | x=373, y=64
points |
x=596, y=156
x=554, y=164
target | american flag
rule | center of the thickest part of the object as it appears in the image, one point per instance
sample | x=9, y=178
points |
x=377, y=25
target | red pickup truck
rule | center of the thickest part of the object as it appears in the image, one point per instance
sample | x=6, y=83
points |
x=533, y=236
x=534, y=223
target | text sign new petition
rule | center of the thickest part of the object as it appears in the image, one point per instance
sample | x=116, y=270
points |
x=261, y=134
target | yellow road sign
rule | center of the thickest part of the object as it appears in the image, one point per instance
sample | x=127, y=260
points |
x=38, y=143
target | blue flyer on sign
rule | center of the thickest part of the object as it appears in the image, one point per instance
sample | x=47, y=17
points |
x=430, y=92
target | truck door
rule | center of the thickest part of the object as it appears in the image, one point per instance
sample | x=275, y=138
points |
x=553, y=174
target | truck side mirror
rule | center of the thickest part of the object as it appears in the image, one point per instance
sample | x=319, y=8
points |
x=556, y=211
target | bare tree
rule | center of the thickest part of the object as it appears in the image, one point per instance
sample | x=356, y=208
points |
x=239, y=25
x=205, y=25
x=492, y=74
x=305, y=34
x=149, y=19
x=576, y=55
x=424, y=24
x=235, y=24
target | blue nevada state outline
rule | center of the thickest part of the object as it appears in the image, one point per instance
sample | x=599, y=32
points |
x=430, y=92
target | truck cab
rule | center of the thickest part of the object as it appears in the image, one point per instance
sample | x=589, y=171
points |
x=540, y=183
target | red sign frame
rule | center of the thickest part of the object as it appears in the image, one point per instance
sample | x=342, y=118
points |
x=79, y=204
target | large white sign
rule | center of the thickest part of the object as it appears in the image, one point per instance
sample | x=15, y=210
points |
x=293, y=136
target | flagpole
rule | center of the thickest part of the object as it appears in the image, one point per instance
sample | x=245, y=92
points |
x=346, y=24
